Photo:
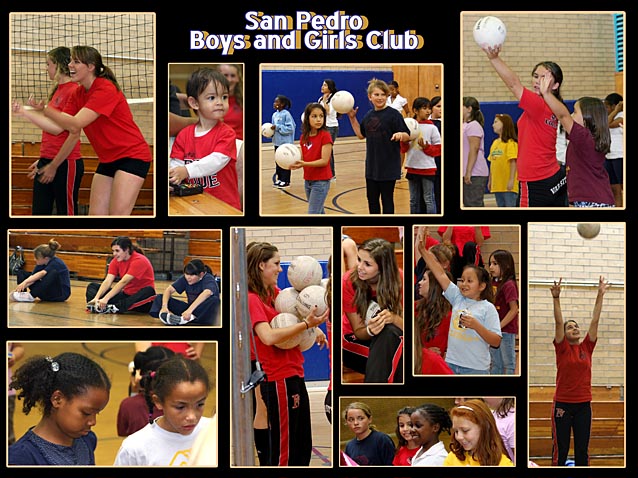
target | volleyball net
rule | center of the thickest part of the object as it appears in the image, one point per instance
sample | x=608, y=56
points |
x=126, y=42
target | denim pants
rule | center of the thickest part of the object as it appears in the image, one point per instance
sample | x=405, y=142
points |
x=506, y=199
x=504, y=357
x=316, y=194
x=422, y=192
x=460, y=370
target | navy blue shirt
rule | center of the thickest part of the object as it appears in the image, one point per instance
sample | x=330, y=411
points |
x=33, y=450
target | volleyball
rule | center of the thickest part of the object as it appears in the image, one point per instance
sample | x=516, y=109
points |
x=285, y=319
x=308, y=338
x=413, y=126
x=373, y=310
x=324, y=282
x=286, y=155
x=308, y=298
x=489, y=32
x=304, y=271
x=342, y=101
x=588, y=230
x=267, y=131
x=286, y=300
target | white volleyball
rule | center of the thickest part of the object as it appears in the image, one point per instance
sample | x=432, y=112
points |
x=373, y=309
x=286, y=300
x=304, y=271
x=285, y=319
x=489, y=31
x=308, y=298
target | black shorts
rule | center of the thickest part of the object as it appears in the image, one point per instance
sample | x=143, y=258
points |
x=128, y=165
x=548, y=192
x=614, y=170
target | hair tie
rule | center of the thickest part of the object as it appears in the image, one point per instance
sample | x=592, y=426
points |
x=466, y=407
x=152, y=374
x=54, y=365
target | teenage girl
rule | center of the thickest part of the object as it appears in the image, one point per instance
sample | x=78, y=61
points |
x=503, y=272
x=383, y=128
x=428, y=421
x=328, y=89
x=542, y=182
x=283, y=391
x=55, y=181
x=179, y=390
x=133, y=414
x=284, y=127
x=50, y=280
x=589, y=140
x=134, y=292
x=374, y=347
x=101, y=110
x=504, y=413
x=316, y=151
x=503, y=180
x=474, y=326
x=407, y=446
x=202, y=298
x=369, y=447
x=475, y=170
x=419, y=160
x=475, y=439
x=70, y=389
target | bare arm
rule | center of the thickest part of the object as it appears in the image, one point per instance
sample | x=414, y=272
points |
x=559, y=330
x=176, y=123
x=558, y=108
x=613, y=121
x=270, y=336
x=436, y=268
x=479, y=239
x=74, y=124
x=472, y=156
x=603, y=286
x=511, y=79
x=356, y=127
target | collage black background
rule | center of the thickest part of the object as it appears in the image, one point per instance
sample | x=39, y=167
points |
x=439, y=24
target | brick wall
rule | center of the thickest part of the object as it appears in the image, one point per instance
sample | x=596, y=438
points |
x=295, y=241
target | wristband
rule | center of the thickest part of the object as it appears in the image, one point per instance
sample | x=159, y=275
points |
x=368, y=330
x=306, y=322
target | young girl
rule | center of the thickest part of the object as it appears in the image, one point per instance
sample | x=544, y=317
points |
x=407, y=446
x=419, y=160
x=475, y=439
x=383, y=128
x=133, y=414
x=328, y=89
x=234, y=117
x=316, y=150
x=614, y=163
x=288, y=427
x=474, y=326
x=428, y=421
x=502, y=270
x=475, y=171
x=284, y=127
x=436, y=105
x=50, y=280
x=588, y=132
x=395, y=100
x=368, y=447
x=503, y=180
x=134, y=292
x=202, y=298
x=374, y=347
x=71, y=390
x=504, y=413
x=101, y=110
x=205, y=153
x=179, y=390
x=59, y=182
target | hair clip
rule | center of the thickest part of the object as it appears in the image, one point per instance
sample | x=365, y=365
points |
x=466, y=407
x=54, y=365
x=152, y=374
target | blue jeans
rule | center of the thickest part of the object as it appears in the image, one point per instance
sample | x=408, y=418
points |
x=506, y=199
x=316, y=194
x=460, y=370
x=422, y=188
x=504, y=357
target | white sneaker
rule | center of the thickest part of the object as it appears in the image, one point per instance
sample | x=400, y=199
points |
x=23, y=297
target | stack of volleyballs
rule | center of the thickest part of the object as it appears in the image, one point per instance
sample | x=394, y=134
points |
x=296, y=302
x=489, y=32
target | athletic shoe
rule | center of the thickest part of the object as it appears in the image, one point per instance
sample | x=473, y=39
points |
x=91, y=308
x=22, y=296
x=110, y=309
x=169, y=318
x=282, y=185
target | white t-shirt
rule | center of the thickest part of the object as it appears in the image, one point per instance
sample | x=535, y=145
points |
x=331, y=118
x=616, y=147
x=154, y=446
x=398, y=103
x=434, y=456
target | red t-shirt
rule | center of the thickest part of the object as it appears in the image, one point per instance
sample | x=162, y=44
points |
x=114, y=134
x=311, y=151
x=573, y=371
x=220, y=139
x=235, y=117
x=508, y=293
x=139, y=267
x=404, y=456
x=440, y=339
x=536, y=139
x=277, y=363
x=433, y=364
x=51, y=143
x=463, y=234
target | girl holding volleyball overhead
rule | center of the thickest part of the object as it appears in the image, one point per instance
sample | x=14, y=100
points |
x=100, y=109
x=316, y=151
x=373, y=341
x=383, y=128
x=283, y=390
x=541, y=181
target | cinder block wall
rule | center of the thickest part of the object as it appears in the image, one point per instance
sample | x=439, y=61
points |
x=295, y=241
x=556, y=250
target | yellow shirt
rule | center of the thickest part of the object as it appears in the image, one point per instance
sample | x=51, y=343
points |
x=452, y=460
x=500, y=156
